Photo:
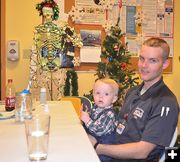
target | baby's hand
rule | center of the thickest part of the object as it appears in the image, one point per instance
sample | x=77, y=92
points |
x=85, y=108
x=84, y=114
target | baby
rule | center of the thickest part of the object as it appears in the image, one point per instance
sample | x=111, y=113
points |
x=100, y=121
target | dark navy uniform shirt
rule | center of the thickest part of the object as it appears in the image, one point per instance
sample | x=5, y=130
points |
x=151, y=117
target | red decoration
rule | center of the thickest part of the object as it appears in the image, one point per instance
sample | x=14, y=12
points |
x=120, y=3
x=116, y=48
x=123, y=65
x=48, y=5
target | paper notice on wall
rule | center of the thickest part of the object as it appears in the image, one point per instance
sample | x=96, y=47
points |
x=149, y=18
x=169, y=20
x=89, y=13
x=132, y=46
x=90, y=54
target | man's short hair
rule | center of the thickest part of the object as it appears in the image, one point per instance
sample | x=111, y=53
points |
x=158, y=42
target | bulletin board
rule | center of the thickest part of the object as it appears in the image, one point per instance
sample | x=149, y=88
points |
x=136, y=17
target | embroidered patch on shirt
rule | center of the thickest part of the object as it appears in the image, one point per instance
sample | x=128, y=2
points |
x=120, y=128
x=138, y=113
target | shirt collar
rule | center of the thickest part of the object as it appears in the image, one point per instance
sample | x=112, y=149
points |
x=152, y=90
x=107, y=107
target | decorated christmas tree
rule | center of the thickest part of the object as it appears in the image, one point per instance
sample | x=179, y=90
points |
x=115, y=62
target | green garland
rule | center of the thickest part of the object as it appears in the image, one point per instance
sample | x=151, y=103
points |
x=71, y=82
x=51, y=4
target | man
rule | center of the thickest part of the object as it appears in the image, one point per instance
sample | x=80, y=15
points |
x=149, y=115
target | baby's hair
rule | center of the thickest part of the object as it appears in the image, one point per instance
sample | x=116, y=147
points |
x=112, y=83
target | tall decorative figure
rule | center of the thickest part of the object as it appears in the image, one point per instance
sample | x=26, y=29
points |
x=47, y=37
x=49, y=52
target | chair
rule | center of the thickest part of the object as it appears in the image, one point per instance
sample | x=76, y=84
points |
x=86, y=101
x=173, y=141
x=75, y=101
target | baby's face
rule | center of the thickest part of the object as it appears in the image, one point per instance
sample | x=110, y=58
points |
x=103, y=94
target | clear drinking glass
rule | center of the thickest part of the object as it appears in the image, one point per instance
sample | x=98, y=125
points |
x=37, y=135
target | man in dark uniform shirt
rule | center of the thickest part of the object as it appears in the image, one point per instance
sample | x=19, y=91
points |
x=149, y=115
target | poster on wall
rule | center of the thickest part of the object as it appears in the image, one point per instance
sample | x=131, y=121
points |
x=141, y=19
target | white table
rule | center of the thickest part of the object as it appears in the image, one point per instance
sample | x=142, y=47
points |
x=68, y=142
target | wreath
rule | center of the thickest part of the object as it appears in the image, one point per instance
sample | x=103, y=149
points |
x=50, y=4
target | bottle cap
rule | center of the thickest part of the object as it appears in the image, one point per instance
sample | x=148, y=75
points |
x=25, y=91
x=10, y=80
x=43, y=89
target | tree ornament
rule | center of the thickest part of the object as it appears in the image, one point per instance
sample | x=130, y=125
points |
x=130, y=81
x=116, y=47
x=123, y=66
x=110, y=59
x=103, y=49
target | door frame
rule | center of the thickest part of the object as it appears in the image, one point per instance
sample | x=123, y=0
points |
x=2, y=51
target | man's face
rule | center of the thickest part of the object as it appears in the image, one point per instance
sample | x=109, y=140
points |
x=151, y=64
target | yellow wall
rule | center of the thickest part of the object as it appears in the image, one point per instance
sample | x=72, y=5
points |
x=173, y=80
x=22, y=17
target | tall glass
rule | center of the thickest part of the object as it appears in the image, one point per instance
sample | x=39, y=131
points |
x=37, y=135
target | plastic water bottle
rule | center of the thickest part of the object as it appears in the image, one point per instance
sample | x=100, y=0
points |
x=23, y=105
x=43, y=96
x=43, y=101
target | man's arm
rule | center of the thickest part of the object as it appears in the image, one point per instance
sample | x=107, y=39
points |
x=135, y=150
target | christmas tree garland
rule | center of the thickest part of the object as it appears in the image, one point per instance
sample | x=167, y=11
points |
x=71, y=84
